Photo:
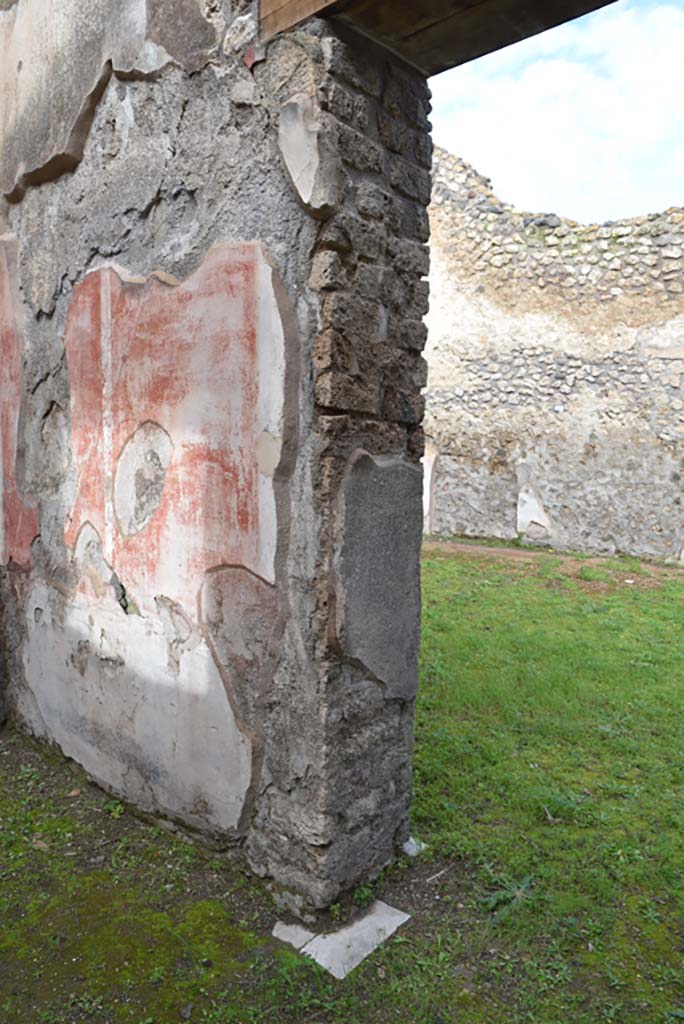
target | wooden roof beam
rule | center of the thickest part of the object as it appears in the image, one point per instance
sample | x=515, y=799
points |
x=435, y=34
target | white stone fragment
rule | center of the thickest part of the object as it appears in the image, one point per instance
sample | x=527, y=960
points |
x=340, y=952
x=413, y=847
x=309, y=156
x=240, y=34
x=293, y=934
x=532, y=519
x=151, y=58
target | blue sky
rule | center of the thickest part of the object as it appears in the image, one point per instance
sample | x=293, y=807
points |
x=586, y=120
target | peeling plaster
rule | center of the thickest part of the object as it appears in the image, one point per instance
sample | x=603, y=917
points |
x=177, y=409
x=205, y=365
x=18, y=519
x=45, y=109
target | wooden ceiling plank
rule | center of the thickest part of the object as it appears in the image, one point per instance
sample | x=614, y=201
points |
x=270, y=7
x=279, y=15
x=405, y=19
x=441, y=33
x=473, y=31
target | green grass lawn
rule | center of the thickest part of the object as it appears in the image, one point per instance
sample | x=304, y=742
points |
x=549, y=787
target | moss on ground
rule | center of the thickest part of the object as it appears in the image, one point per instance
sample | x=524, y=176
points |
x=549, y=785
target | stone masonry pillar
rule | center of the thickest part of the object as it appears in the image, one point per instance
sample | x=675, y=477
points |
x=341, y=751
x=212, y=285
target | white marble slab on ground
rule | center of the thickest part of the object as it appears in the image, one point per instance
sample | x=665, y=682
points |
x=293, y=934
x=341, y=951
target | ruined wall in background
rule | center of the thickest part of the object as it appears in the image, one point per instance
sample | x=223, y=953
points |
x=555, y=407
x=211, y=293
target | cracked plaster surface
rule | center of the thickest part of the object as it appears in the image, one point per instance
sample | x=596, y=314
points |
x=181, y=377
x=47, y=110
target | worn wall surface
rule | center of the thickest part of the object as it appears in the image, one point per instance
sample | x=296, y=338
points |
x=212, y=287
x=555, y=407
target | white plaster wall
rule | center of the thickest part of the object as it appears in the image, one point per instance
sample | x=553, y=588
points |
x=42, y=99
x=159, y=731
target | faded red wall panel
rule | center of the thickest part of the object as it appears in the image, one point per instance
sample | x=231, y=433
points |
x=171, y=365
x=19, y=524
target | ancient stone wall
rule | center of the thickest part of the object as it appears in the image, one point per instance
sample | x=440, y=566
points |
x=555, y=407
x=211, y=292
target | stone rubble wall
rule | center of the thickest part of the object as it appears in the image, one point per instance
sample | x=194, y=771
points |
x=555, y=404
x=212, y=284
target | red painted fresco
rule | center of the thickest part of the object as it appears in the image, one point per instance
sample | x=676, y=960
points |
x=19, y=520
x=183, y=356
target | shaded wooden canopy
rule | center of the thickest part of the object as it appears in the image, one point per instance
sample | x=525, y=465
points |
x=433, y=35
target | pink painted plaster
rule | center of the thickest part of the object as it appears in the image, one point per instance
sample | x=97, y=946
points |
x=19, y=524
x=203, y=359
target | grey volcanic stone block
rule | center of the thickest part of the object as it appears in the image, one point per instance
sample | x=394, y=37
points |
x=377, y=587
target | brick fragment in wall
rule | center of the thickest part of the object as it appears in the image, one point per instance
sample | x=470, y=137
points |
x=414, y=299
x=393, y=290
x=405, y=367
x=414, y=221
x=346, y=392
x=408, y=334
x=366, y=279
x=421, y=294
x=394, y=133
x=416, y=442
x=366, y=238
x=399, y=138
x=333, y=350
x=373, y=201
x=403, y=406
x=327, y=271
x=335, y=237
x=409, y=258
x=409, y=180
x=423, y=149
x=409, y=98
x=339, y=430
